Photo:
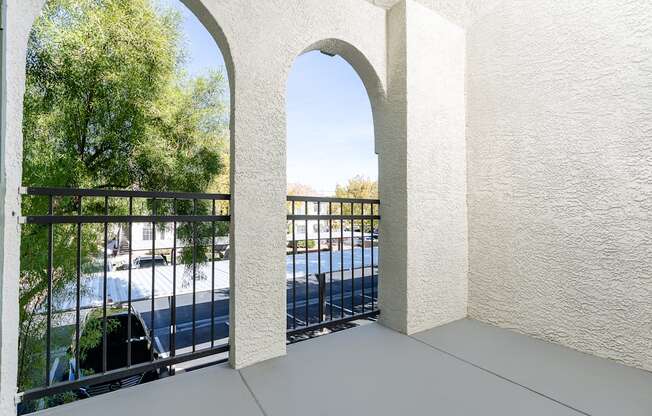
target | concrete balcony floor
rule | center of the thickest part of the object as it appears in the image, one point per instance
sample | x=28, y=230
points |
x=464, y=368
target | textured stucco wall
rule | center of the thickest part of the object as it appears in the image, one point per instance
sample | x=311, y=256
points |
x=559, y=142
x=13, y=74
x=461, y=12
x=392, y=180
x=424, y=249
x=436, y=170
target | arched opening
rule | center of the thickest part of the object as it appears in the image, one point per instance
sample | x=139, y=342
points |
x=333, y=99
x=125, y=241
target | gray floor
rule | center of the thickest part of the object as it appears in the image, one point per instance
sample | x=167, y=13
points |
x=590, y=384
x=464, y=368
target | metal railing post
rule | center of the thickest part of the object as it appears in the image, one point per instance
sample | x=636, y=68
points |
x=321, y=278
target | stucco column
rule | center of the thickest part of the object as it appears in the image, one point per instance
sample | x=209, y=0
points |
x=423, y=173
x=258, y=219
x=258, y=185
x=17, y=19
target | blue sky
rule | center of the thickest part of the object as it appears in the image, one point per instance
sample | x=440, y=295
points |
x=330, y=126
x=202, y=51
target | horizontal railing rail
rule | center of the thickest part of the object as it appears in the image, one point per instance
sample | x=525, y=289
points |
x=334, y=261
x=192, y=218
x=333, y=200
x=299, y=217
x=113, y=219
x=113, y=375
x=42, y=191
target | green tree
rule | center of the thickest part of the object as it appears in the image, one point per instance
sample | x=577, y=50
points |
x=107, y=105
x=358, y=187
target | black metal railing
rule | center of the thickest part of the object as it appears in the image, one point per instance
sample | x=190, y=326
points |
x=332, y=276
x=99, y=279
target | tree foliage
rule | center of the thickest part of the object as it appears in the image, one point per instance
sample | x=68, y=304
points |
x=358, y=187
x=107, y=105
x=300, y=189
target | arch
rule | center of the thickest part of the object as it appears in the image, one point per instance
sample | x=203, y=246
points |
x=363, y=67
x=320, y=209
x=12, y=88
x=209, y=21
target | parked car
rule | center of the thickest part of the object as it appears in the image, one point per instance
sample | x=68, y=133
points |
x=144, y=262
x=90, y=361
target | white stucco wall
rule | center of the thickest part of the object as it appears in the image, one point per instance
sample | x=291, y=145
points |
x=460, y=12
x=436, y=169
x=13, y=74
x=560, y=173
x=424, y=262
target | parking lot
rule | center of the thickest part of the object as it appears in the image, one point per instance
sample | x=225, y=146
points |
x=342, y=296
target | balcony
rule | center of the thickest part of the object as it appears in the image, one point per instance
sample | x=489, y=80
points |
x=463, y=368
x=514, y=177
